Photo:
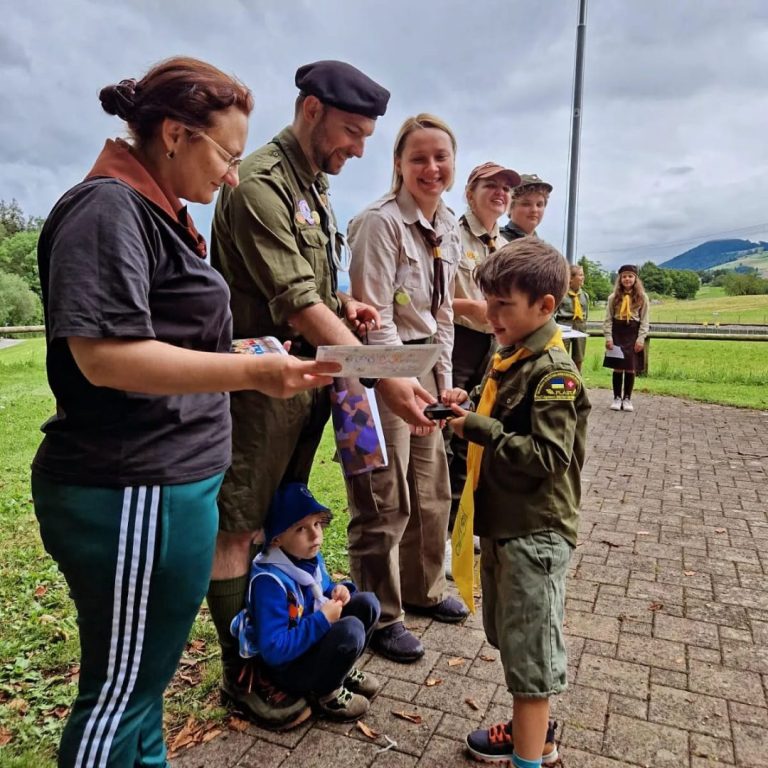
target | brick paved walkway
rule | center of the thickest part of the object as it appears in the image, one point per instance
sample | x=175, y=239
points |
x=667, y=619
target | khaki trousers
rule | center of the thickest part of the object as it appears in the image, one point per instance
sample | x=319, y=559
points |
x=399, y=520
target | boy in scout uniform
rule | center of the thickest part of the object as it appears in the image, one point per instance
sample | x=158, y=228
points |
x=573, y=311
x=526, y=209
x=275, y=241
x=527, y=439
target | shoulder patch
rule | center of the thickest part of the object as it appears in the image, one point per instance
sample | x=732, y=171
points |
x=558, y=385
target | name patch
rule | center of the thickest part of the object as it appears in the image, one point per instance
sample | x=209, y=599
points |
x=558, y=385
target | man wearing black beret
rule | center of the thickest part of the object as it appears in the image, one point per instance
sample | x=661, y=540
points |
x=275, y=241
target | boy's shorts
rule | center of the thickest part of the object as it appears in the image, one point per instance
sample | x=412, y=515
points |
x=523, y=582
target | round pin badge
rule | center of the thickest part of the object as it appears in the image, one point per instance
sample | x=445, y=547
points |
x=402, y=298
x=305, y=211
x=316, y=217
x=299, y=219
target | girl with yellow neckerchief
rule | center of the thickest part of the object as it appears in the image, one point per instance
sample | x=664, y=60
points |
x=573, y=311
x=626, y=326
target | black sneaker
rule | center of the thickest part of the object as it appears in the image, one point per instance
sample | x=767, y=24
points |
x=450, y=610
x=254, y=697
x=494, y=745
x=395, y=642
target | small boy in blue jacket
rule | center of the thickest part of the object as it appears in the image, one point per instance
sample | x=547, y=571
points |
x=308, y=631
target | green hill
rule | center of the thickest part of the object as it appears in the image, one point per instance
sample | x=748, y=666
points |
x=714, y=253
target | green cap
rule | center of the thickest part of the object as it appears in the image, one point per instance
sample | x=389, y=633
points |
x=531, y=180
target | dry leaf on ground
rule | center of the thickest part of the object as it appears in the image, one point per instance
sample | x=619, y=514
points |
x=411, y=717
x=236, y=724
x=472, y=703
x=486, y=658
x=5, y=736
x=430, y=682
x=457, y=662
x=369, y=732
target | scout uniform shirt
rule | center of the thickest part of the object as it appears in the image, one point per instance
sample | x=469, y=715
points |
x=510, y=231
x=392, y=269
x=534, y=444
x=271, y=240
x=637, y=314
x=473, y=251
x=564, y=312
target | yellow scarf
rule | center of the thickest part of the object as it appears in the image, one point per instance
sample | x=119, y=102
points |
x=625, y=310
x=463, y=560
x=578, y=310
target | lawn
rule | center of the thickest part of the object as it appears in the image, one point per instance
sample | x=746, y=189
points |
x=712, y=306
x=38, y=639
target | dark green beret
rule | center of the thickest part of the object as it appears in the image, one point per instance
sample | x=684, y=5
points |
x=340, y=85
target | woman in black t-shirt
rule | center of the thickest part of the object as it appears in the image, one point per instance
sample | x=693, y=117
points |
x=126, y=478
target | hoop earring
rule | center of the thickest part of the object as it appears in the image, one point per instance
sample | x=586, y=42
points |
x=170, y=154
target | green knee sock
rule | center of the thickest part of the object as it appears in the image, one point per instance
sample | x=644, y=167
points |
x=225, y=599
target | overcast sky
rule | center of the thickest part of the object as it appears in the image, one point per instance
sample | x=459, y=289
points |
x=675, y=118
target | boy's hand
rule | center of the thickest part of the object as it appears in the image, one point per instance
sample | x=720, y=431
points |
x=457, y=424
x=331, y=609
x=340, y=593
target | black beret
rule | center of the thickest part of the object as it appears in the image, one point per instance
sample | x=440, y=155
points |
x=340, y=85
x=628, y=268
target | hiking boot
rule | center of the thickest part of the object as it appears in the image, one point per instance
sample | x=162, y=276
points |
x=395, y=642
x=450, y=610
x=256, y=699
x=616, y=404
x=494, y=744
x=363, y=683
x=342, y=705
x=626, y=405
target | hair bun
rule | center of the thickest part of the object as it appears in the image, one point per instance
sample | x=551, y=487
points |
x=119, y=99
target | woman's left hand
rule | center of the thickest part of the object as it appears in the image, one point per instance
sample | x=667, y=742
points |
x=639, y=346
x=455, y=395
x=362, y=317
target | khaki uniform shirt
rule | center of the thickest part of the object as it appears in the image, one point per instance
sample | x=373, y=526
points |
x=270, y=240
x=392, y=270
x=534, y=445
x=473, y=251
x=564, y=313
x=639, y=314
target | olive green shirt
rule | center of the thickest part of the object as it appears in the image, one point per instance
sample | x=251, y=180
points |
x=534, y=445
x=270, y=240
x=564, y=313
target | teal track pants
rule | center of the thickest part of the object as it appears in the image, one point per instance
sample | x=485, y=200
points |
x=137, y=562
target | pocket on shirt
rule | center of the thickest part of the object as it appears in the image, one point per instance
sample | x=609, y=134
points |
x=313, y=246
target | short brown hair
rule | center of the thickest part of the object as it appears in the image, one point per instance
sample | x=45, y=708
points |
x=180, y=88
x=528, y=265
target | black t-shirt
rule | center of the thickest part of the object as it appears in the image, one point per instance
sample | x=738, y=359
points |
x=113, y=264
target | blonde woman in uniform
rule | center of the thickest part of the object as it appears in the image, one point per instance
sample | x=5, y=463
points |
x=488, y=193
x=405, y=253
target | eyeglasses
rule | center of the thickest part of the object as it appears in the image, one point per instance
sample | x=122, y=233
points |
x=232, y=161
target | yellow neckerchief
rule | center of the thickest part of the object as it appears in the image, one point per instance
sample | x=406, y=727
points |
x=578, y=310
x=463, y=560
x=625, y=310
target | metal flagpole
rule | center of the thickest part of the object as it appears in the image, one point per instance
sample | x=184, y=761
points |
x=573, y=173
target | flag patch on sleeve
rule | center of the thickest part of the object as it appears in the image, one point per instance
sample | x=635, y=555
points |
x=558, y=385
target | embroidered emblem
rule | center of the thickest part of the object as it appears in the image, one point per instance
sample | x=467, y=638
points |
x=299, y=219
x=315, y=217
x=295, y=610
x=558, y=385
x=471, y=255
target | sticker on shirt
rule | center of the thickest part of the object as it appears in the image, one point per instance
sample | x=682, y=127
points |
x=558, y=385
x=305, y=212
x=402, y=298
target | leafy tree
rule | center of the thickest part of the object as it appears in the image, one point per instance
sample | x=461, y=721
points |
x=596, y=281
x=744, y=285
x=18, y=256
x=655, y=279
x=13, y=220
x=685, y=283
x=18, y=304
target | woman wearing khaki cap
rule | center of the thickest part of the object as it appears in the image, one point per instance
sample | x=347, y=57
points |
x=488, y=193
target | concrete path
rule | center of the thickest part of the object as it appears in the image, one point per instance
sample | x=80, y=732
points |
x=667, y=619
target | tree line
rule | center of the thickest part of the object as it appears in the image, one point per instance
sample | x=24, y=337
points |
x=20, y=298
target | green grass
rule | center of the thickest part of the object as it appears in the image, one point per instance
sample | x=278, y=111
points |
x=712, y=306
x=38, y=637
x=727, y=372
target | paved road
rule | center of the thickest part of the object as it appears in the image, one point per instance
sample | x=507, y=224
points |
x=9, y=342
x=667, y=619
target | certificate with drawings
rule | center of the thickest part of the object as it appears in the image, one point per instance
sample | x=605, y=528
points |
x=382, y=361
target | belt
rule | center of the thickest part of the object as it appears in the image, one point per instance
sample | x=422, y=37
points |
x=425, y=340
